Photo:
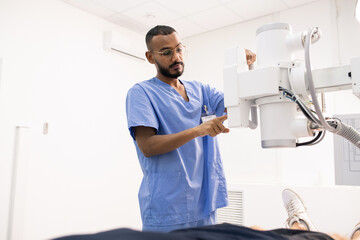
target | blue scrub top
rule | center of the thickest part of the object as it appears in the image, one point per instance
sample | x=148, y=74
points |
x=186, y=184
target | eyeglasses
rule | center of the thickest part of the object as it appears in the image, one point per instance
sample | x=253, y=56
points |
x=169, y=52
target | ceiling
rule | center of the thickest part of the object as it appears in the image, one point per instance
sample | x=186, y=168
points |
x=188, y=17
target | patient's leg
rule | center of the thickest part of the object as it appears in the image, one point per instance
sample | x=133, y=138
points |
x=258, y=228
x=298, y=226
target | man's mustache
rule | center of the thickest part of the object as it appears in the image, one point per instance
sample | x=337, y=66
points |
x=181, y=63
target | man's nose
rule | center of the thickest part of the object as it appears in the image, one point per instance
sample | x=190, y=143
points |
x=176, y=56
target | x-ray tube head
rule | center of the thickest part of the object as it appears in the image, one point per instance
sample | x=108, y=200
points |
x=275, y=46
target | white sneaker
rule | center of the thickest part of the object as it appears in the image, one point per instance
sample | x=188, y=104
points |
x=296, y=210
x=357, y=228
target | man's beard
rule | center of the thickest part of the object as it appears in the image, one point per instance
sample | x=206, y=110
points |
x=166, y=71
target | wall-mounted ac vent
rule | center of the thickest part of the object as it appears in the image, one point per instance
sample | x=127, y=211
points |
x=124, y=44
x=234, y=212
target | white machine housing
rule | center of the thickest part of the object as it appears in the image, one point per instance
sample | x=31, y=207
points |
x=246, y=90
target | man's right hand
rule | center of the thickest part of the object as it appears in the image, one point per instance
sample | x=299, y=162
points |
x=212, y=127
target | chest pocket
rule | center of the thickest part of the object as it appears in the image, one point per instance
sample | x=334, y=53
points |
x=206, y=102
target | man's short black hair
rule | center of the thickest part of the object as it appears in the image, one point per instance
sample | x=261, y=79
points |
x=157, y=30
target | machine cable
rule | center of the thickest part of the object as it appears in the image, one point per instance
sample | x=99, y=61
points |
x=332, y=125
x=308, y=114
x=318, y=138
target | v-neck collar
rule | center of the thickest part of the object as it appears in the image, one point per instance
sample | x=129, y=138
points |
x=171, y=88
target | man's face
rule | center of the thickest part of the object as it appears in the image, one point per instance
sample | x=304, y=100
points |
x=167, y=54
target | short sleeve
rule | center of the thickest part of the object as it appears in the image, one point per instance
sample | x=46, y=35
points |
x=139, y=110
x=214, y=99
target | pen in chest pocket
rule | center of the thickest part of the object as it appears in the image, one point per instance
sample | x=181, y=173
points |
x=208, y=115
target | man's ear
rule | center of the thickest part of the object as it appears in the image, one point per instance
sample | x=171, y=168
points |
x=149, y=57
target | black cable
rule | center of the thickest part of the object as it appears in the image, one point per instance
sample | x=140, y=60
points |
x=321, y=138
x=312, y=141
x=307, y=115
x=305, y=110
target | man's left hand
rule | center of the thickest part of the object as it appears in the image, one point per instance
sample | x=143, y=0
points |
x=250, y=57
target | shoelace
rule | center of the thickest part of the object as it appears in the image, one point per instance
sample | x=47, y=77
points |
x=292, y=209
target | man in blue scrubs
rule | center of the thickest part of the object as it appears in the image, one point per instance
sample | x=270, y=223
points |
x=183, y=181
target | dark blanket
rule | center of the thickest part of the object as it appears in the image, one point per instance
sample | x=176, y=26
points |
x=213, y=232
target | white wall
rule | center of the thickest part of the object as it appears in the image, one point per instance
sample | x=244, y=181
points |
x=83, y=176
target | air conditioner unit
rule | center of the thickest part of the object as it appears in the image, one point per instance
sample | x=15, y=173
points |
x=124, y=44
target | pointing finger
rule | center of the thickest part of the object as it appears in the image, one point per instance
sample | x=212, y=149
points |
x=222, y=118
